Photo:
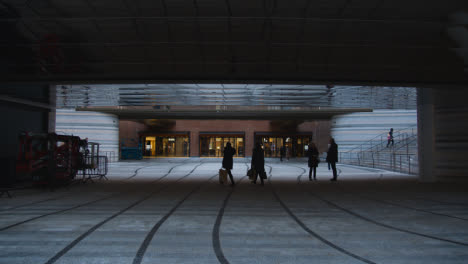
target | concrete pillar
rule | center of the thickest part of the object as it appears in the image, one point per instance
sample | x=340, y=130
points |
x=426, y=135
x=195, y=143
x=52, y=111
x=457, y=30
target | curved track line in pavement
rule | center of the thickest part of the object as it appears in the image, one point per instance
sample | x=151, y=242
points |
x=215, y=234
x=71, y=208
x=144, y=246
x=308, y=230
x=95, y=227
x=386, y=225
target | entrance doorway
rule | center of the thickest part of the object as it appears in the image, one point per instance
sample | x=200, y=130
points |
x=167, y=146
x=295, y=145
x=213, y=145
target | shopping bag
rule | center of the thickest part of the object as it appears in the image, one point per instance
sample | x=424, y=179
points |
x=263, y=175
x=222, y=176
x=251, y=173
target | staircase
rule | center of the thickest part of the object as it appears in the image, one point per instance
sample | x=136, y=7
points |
x=401, y=157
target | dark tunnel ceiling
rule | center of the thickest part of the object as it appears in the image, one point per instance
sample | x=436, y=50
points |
x=366, y=42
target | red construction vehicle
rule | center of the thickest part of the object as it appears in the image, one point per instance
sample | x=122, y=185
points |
x=49, y=159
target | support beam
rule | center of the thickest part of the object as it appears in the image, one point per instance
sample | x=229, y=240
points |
x=15, y=100
x=458, y=32
x=201, y=48
x=169, y=35
x=426, y=135
x=53, y=111
x=300, y=37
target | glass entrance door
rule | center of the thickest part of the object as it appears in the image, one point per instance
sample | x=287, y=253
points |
x=213, y=146
x=295, y=146
x=167, y=146
x=272, y=146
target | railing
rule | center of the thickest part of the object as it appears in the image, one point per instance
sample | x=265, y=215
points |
x=400, y=157
x=379, y=142
x=400, y=162
x=111, y=156
x=94, y=166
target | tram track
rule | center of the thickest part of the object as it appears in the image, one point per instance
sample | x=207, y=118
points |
x=310, y=231
x=33, y=203
x=443, y=202
x=137, y=170
x=216, y=227
x=76, y=206
x=390, y=203
x=149, y=237
x=62, y=196
x=98, y=225
x=406, y=207
x=332, y=204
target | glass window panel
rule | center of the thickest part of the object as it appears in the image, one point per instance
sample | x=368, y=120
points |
x=219, y=146
x=240, y=147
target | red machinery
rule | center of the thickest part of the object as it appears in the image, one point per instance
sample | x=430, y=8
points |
x=49, y=159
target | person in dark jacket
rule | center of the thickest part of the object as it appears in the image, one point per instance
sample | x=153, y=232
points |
x=313, y=161
x=258, y=162
x=390, y=137
x=228, y=161
x=332, y=157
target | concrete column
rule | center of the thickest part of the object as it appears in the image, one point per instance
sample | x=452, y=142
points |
x=52, y=112
x=194, y=143
x=426, y=134
x=249, y=142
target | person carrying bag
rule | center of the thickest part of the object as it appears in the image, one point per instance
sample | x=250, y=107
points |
x=228, y=161
x=258, y=163
x=313, y=161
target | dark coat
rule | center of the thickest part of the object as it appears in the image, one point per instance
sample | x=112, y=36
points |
x=258, y=159
x=227, y=159
x=313, y=155
x=332, y=154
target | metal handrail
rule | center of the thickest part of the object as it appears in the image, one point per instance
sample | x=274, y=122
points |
x=377, y=156
x=111, y=156
x=401, y=162
x=381, y=136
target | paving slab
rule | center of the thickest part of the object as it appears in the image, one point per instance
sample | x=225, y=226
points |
x=173, y=210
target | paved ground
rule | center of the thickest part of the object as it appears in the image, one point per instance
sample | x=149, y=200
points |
x=175, y=211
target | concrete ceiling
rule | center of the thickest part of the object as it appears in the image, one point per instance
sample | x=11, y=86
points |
x=413, y=43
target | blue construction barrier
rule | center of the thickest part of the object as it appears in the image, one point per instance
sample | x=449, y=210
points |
x=131, y=149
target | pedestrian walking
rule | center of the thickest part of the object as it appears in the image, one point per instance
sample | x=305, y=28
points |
x=228, y=160
x=332, y=157
x=390, y=137
x=258, y=162
x=313, y=161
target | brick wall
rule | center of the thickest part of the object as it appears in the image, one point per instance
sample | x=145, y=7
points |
x=320, y=129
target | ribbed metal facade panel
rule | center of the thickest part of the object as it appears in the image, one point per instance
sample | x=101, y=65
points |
x=354, y=129
x=451, y=134
x=97, y=127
